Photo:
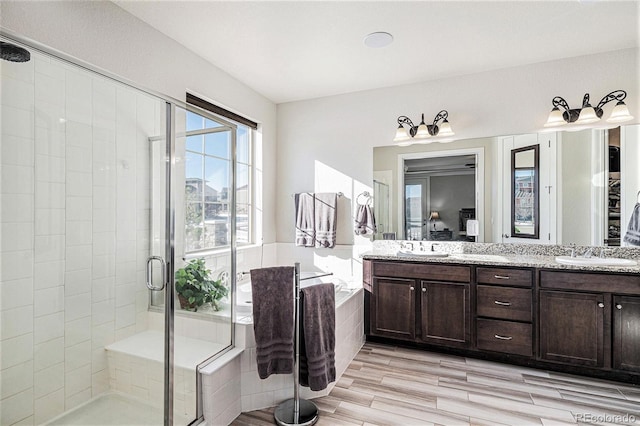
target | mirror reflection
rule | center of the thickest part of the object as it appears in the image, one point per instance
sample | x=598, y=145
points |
x=525, y=199
x=591, y=182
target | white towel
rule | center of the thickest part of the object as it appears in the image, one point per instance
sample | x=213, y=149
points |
x=305, y=220
x=325, y=219
x=365, y=222
x=633, y=230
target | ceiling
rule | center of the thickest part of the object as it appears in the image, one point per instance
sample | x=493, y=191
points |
x=294, y=50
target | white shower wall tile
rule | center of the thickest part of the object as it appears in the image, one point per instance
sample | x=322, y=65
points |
x=16, y=350
x=16, y=208
x=16, y=293
x=48, y=327
x=50, y=195
x=16, y=379
x=16, y=236
x=49, y=406
x=17, y=179
x=49, y=380
x=49, y=274
x=17, y=151
x=16, y=322
x=49, y=353
x=17, y=122
x=49, y=221
x=16, y=407
x=48, y=301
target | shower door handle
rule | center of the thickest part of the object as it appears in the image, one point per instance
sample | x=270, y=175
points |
x=163, y=268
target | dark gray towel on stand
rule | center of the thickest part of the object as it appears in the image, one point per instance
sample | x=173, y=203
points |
x=317, y=336
x=273, y=319
x=633, y=230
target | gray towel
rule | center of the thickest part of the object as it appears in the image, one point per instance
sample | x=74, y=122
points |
x=317, y=336
x=325, y=219
x=273, y=319
x=365, y=220
x=633, y=230
x=305, y=220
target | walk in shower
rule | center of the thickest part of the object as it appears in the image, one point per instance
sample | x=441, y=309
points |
x=93, y=227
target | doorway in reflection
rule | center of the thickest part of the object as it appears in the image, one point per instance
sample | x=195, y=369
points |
x=439, y=196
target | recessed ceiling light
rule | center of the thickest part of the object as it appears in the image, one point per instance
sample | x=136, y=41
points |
x=378, y=39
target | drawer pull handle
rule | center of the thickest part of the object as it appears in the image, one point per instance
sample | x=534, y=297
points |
x=618, y=306
x=424, y=289
x=411, y=288
x=501, y=277
x=601, y=305
x=497, y=302
x=497, y=336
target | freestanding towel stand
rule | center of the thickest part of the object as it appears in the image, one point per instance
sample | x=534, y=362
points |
x=297, y=411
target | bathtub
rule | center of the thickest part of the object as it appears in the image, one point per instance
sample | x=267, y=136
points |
x=244, y=301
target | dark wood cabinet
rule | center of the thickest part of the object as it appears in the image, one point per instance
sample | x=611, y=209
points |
x=572, y=327
x=574, y=321
x=445, y=312
x=626, y=333
x=393, y=308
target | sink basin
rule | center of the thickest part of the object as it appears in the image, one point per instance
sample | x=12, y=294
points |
x=426, y=254
x=595, y=261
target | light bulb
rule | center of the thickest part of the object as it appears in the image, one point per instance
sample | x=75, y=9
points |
x=401, y=135
x=445, y=129
x=620, y=114
x=587, y=115
x=555, y=118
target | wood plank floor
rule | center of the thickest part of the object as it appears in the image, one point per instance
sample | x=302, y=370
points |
x=386, y=385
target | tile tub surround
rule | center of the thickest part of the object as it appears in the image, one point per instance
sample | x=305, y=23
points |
x=492, y=254
x=392, y=385
x=257, y=393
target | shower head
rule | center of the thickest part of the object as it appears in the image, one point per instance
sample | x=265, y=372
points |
x=12, y=53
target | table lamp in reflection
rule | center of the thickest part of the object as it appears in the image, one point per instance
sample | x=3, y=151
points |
x=433, y=217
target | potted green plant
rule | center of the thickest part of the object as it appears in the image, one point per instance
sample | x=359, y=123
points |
x=195, y=287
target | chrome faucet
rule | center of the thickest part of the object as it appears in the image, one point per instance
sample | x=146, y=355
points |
x=602, y=253
x=421, y=246
x=587, y=254
x=433, y=246
x=408, y=245
x=572, y=247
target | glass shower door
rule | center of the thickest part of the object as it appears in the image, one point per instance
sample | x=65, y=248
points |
x=86, y=213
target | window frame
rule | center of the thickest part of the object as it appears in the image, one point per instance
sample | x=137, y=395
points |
x=226, y=125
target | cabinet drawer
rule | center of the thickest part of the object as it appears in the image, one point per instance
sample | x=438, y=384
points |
x=504, y=302
x=505, y=336
x=581, y=281
x=454, y=273
x=505, y=276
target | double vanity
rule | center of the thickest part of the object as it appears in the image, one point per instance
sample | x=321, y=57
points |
x=531, y=305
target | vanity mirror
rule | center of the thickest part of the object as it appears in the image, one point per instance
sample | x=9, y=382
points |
x=588, y=187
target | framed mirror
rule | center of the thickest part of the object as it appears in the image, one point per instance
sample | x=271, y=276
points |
x=525, y=194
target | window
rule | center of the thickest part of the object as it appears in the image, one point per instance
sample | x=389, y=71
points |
x=208, y=182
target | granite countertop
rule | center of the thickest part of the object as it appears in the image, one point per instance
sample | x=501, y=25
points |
x=503, y=255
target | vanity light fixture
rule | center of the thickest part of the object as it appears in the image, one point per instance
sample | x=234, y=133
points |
x=422, y=131
x=562, y=114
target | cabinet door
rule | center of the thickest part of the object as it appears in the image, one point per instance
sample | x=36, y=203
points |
x=626, y=333
x=393, y=308
x=572, y=327
x=445, y=313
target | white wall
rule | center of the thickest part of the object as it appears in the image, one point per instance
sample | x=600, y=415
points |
x=327, y=143
x=104, y=35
